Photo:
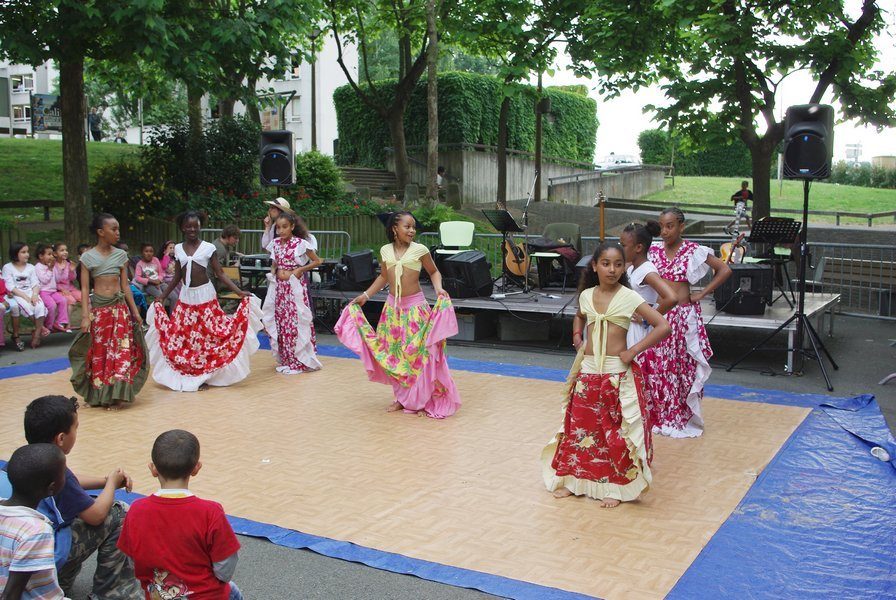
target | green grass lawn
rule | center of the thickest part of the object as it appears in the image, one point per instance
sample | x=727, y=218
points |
x=822, y=196
x=32, y=170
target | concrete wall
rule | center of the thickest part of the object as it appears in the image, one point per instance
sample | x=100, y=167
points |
x=624, y=184
x=477, y=173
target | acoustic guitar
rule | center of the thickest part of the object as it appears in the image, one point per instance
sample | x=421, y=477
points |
x=733, y=252
x=516, y=260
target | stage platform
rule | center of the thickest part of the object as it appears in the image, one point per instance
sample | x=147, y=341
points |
x=558, y=304
x=777, y=499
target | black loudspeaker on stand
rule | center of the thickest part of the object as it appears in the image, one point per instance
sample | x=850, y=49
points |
x=809, y=140
x=276, y=160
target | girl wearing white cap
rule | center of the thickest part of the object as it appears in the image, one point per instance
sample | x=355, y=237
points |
x=276, y=208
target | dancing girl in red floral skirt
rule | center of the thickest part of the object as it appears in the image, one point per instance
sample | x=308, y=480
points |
x=603, y=449
x=108, y=356
x=199, y=343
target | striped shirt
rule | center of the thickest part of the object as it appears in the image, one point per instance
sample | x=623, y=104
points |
x=26, y=545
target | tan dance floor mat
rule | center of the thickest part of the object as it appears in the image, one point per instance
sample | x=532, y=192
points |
x=318, y=453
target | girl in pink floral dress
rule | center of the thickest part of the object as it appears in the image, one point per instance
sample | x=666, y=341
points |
x=199, y=344
x=680, y=364
x=288, y=318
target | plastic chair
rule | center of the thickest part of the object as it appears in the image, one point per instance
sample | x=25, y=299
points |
x=568, y=233
x=457, y=236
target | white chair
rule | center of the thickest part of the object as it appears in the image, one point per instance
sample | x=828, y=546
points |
x=455, y=237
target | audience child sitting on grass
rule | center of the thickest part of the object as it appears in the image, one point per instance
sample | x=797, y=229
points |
x=95, y=524
x=27, y=568
x=181, y=546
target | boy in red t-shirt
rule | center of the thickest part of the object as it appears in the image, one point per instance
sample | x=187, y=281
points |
x=182, y=546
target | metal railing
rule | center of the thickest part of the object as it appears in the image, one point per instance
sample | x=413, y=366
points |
x=331, y=245
x=831, y=269
x=718, y=209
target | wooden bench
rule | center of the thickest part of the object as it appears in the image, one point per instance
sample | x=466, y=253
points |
x=874, y=276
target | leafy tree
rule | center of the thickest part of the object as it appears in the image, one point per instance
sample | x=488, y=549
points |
x=364, y=23
x=722, y=61
x=519, y=35
x=123, y=85
x=69, y=32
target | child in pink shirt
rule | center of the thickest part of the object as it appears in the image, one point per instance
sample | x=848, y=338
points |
x=148, y=273
x=66, y=273
x=57, y=306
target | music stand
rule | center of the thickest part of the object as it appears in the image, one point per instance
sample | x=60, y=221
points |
x=774, y=231
x=504, y=222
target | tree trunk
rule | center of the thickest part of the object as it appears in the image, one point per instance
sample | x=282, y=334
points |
x=501, y=200
x=194, y=113
x=399, y=147
x=225, y=108
x=251, y=101
x=761, y=156
x=432, y=104
x=75, y=183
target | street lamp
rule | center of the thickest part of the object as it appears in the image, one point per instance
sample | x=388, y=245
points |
x=315, y=33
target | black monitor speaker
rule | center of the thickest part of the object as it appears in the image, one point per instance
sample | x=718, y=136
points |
x=276, y=158
x=808, y=141
x=356, y=271
x=467, y=275
x=747, y=292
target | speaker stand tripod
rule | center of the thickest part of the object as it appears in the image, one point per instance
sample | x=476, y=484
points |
x=803, y=325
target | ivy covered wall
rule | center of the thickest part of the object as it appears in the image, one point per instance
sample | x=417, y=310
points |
x=469, y=106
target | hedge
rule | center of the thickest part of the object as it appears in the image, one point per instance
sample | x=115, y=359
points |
x=469, y=107
x=732, y=160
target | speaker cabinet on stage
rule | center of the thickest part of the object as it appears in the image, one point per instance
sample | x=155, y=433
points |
x=808, y=141
x=467, y=275
x=356, y=271
x=276, y=158
x=747, y=292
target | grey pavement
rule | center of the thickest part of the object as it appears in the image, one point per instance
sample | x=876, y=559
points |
x=862, y=348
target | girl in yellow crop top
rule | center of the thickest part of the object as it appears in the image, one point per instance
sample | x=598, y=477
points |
x=402, y=260
x=407, y=349
x=604, y=447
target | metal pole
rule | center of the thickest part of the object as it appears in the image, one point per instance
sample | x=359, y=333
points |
x=538, y=136
x=314, y=37
x=801, y=303
x=140, y=116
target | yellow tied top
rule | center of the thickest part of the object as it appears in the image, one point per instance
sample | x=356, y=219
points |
x=410, y=259
x=619, y=312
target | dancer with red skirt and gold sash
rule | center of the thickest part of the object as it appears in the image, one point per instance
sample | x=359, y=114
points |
x=604, y=448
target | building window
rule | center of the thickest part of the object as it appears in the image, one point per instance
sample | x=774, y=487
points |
x=294, y=112
x=22, y=83
x=295, y=69
x=21, y=113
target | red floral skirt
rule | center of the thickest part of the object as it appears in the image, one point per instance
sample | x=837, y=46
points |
x=109, y=362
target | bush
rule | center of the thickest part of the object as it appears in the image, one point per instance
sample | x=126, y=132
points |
x=320, y=178
x=731, y=160
x=225, y=157
x=469, y=108
x=863, y=175
x=130, y=190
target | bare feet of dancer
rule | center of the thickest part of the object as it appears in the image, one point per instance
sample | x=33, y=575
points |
x=562, y=493
x=395, y=406
x=609, y=503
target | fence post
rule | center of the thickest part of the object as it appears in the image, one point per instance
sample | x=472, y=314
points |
x=838, y=218
x=870, y=219
x=46, y=212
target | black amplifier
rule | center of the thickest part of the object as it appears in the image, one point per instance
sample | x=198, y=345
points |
x=747, y=292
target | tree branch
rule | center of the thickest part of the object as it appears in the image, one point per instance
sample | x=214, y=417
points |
x=855, y=32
